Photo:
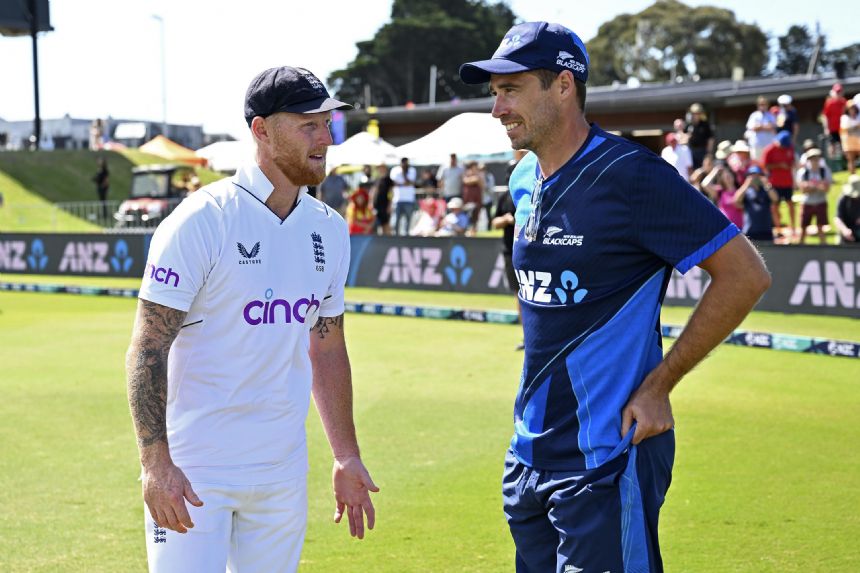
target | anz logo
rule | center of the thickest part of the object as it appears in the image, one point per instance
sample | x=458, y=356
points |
x=538, y=286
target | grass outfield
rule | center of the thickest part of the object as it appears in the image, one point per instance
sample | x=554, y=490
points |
x=766, y=478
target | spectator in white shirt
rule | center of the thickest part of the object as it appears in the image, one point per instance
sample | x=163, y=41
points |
x=761, y=128
x=678, y=156
x=403, y=199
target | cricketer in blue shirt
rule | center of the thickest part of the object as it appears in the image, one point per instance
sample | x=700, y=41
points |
x=600, y=224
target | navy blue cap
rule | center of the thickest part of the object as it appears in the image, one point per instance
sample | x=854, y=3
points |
x=532, y=46
x=784, y=138
x=295, y=90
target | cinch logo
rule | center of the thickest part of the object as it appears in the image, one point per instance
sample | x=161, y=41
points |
x=567, y=60
x=85, y=256
x=404, y=265
x=278, y=310
x=836, y=289
x=162, y=275
x=250, y=257
x=12, y=256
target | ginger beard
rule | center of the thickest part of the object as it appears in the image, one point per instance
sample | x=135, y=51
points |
x=295, y=160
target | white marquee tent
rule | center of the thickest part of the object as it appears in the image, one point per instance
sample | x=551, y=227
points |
x=362, y=149
x=469, y=135
x=227, y=156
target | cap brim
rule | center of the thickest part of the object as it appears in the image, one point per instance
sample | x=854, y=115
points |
x=479, y=72
x=317, y=105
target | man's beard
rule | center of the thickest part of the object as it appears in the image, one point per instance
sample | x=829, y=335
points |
x=300, y=173
x=295, y=164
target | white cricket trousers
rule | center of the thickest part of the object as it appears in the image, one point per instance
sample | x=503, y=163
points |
x=239, y=529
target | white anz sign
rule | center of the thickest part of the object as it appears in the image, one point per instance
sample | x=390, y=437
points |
x=828, y=284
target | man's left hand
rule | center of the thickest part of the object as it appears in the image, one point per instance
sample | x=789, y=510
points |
x=352, y=486
x=650, y=408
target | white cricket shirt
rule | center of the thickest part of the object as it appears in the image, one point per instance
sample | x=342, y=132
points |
x=239, y=375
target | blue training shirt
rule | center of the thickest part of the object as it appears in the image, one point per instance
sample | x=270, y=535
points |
x=615, y=220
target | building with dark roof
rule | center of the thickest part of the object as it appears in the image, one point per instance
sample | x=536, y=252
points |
x=642, y=113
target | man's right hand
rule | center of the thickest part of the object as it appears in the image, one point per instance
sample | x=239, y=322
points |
x=165, y=489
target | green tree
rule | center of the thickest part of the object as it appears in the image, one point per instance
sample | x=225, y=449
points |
x=849, y=56
x=394, y=66
x=670, y=39
x=795, y=50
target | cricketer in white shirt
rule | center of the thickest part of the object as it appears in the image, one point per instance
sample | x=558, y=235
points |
x=244, y=285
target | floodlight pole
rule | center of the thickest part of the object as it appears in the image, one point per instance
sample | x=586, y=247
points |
x=34, y=29
x=163, y=78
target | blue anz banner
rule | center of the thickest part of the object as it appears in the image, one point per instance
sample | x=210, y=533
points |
x=79, y=254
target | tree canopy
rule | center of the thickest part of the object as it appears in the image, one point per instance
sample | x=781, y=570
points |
x=396, y=62
x=670, y=39
x=667, y=40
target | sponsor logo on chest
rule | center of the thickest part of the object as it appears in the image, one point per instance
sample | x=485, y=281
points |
x=249, y=256
x=556, y=237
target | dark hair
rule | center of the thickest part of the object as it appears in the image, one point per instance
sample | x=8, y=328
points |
x=546, y=78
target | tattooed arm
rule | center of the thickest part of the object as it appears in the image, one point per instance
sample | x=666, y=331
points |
x=165, y=487
x=332, y=388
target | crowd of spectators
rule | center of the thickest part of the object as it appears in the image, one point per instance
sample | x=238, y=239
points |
x=445, y=202
x=749, y=179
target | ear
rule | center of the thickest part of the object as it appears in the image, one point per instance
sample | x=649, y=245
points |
x=566, y=87
x=259, y=128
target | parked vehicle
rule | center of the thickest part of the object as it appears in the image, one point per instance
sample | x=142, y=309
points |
x=155, y=191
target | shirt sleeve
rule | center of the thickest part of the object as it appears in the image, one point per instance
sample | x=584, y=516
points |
x=183, y=251
x=671, y=218
x=333, y=302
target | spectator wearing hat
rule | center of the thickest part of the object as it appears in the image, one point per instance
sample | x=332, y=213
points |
x=756, y=197
x=700, y=134
x=678, y=156
x=359, y=213
x=456, y=221
x=761, y=128
x=849, y=131
x=778, y=163
x=813, y=180
x=786, y=118
x=847, y=219
x=831, y=113
x=431, y=209
x=739, y=161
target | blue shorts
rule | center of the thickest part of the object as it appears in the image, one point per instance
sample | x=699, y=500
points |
x=603, y=519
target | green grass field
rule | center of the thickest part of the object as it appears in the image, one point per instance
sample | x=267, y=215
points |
x=766, y=479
